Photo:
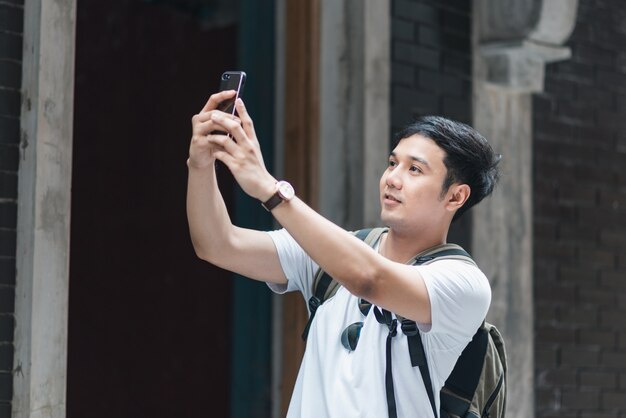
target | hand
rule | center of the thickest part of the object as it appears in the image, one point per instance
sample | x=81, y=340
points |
x=242, y=153
x=200, y=149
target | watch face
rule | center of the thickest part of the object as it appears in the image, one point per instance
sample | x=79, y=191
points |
x=285, y=190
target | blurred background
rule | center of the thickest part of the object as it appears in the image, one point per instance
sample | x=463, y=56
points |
x=105, y=311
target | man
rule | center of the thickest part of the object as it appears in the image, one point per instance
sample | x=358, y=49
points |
x=437, y=170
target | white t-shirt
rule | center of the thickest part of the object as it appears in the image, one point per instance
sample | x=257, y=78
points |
x=335, y=382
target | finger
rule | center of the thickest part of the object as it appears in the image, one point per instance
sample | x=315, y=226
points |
x=245, y=144
x=238, y=134
x=233, y=127
x=217, y=98
x=206, y=125
x=246, y=120
x=206, y=128
x=200, y=117
x=204, y=116
x=225, y=142
x=202, y=128
x=225, y=157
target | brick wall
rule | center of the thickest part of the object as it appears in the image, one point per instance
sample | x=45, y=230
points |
x=11, y=23
x=580, y=222
x=431, y=69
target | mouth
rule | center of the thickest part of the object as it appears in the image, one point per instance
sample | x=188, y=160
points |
x=392, y=198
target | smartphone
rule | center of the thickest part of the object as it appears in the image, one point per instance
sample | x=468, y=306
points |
x=231, y=80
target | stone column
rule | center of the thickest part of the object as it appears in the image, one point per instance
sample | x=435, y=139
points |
x=513, y=39
x=41, y=306
x=354, y=108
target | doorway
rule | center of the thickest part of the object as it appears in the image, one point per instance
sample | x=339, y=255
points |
x=145, y=339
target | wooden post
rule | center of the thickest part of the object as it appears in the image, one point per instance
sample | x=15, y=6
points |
x=301, y=132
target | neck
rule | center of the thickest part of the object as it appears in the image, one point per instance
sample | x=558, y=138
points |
x=401, y=247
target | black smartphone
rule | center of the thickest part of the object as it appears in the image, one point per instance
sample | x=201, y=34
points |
x=231, y=80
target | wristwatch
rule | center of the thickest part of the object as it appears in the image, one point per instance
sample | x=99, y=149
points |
x=284, y=192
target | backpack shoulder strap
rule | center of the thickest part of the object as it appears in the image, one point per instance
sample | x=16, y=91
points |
x=465, y=376
x=325, y=287
x=466, y=373
x=442, y=252
x=418, y=357
x=477, y=384
x=409, y=327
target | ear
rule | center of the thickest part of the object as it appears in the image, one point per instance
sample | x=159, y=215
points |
x=457, y=196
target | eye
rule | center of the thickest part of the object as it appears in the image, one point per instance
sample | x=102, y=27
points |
x=415, y=169
x=392, y=163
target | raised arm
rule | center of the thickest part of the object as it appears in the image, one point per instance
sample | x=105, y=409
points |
x=354, y=264
x=215, y=239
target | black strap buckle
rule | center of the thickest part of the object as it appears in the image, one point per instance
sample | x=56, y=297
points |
x=384, y=317
x=314, y=303
x=393, y=327
x=409, y=328
x=424, y=259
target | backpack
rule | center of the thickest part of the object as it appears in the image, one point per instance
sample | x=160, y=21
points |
x=476, y=387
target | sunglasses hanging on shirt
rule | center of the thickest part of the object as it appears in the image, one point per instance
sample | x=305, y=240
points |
x=350, y=335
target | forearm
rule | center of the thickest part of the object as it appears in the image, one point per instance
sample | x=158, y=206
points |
x=210, y=226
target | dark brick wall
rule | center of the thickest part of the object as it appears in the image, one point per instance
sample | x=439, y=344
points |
x=580, y=222
x=11, y=27
x=431, y=60
x=431, y=69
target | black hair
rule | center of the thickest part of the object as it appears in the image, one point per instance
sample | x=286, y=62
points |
x=469, y=157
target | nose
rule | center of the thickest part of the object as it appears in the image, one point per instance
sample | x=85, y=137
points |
x=394, y=179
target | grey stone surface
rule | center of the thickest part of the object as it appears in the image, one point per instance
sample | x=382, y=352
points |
x=517, y=37
x=501, y=236
x=40, y=365
x=513, y=40
x=354, y=115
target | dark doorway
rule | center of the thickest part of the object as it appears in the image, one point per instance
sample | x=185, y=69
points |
x=146, y=337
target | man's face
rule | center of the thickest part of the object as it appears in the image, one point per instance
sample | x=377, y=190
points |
x=411, y=186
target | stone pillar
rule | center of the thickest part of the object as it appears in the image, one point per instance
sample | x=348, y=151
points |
x=513, y=39
x=40, y=365
x=354, y=109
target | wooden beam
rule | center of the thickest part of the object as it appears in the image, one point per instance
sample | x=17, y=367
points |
x=301, y=129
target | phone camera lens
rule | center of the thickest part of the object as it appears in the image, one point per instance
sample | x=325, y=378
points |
x=226, y=77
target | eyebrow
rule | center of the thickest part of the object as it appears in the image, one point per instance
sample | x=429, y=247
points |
x=413, y=158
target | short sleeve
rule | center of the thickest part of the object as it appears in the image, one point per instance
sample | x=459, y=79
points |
x=459, y=296
x=298, y=267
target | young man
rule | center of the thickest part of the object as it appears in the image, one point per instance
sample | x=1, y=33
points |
x=437, y=170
